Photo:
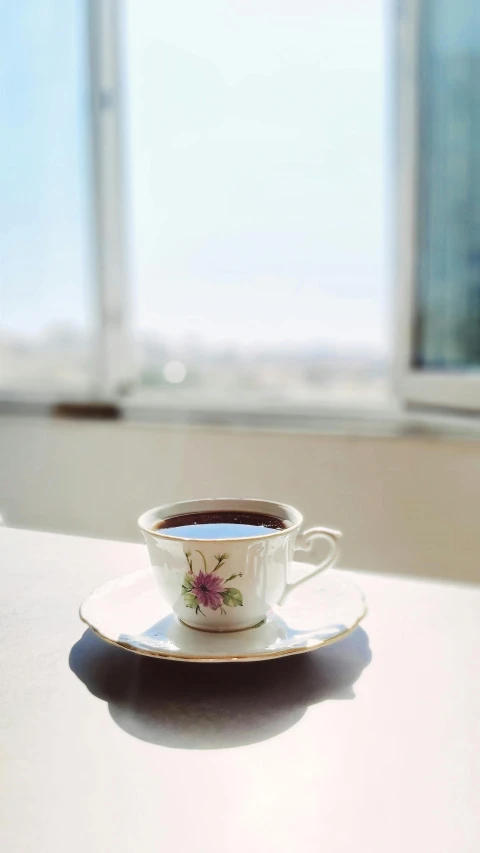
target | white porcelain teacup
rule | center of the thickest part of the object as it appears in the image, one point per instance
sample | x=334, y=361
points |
x=231, y=584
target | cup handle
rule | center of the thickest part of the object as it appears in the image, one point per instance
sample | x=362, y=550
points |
x=305, y=543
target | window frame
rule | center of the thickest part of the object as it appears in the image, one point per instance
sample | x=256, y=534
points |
x=113, y=348
x=441, y=389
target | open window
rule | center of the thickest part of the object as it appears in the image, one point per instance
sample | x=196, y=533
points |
x=439, y=204
x=194, y=207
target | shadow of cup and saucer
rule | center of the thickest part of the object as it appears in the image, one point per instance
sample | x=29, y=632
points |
x=200, y=706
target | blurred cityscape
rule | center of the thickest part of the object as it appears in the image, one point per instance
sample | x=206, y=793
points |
x=63, y=361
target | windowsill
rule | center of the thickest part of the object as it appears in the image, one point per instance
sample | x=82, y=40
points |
x=328, y=418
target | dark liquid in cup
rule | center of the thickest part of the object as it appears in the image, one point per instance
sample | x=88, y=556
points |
x=223, y=524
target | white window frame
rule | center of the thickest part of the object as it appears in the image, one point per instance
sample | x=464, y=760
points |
x=114, y=351
x=416, y=388
x=113, y=358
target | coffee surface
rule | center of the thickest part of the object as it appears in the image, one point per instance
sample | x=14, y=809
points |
x=224, y=524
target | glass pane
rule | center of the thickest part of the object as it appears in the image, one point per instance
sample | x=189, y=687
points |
x=256, y=157
x=447, y=333
x=44, y=301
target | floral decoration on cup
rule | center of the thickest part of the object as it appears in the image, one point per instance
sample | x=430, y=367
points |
x=206, y=589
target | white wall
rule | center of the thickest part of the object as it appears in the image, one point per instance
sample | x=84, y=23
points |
x=405, y=504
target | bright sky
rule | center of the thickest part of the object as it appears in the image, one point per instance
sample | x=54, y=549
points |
x=256, y=158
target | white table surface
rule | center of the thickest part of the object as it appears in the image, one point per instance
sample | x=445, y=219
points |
x=372, y=744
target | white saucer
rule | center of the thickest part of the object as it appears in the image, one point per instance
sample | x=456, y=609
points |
x=131, y=613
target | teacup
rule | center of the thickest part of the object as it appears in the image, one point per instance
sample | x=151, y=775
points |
x=231, y=584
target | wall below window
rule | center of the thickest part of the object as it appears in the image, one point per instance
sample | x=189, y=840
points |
x=406, y=505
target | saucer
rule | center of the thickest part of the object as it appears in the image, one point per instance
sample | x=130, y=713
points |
x=130, y=612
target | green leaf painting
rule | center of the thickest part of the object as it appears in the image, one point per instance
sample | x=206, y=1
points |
x=232, y=597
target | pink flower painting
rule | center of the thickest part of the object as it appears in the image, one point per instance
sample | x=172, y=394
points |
x=206, y=589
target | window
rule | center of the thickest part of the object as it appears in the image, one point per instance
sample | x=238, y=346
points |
x=197, y=211
x=442, y=283
x=257, y=163
x=46, y=293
